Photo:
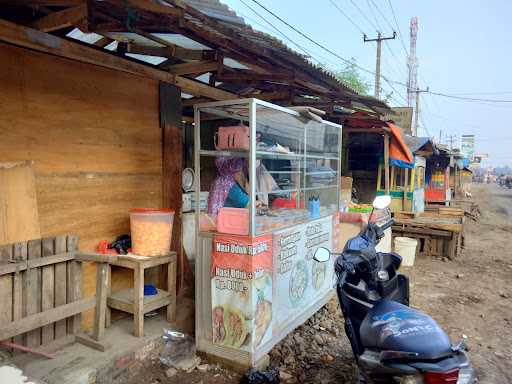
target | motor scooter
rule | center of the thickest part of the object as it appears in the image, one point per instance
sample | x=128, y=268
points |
x=392, y=342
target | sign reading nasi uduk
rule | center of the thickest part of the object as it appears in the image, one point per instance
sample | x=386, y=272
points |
x=260, y=284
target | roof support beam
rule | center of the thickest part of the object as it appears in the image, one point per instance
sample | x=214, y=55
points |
x=170, y=50
x=57, y=20
x=241, y=74
x=43, y=42
x=45, y=3
x=194, y=67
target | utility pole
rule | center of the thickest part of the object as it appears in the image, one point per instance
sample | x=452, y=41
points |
x=440, y=136
x=417, y=111
x=379, y=41
x=451, y=138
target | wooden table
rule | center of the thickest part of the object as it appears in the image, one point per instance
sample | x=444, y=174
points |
x=130, y=300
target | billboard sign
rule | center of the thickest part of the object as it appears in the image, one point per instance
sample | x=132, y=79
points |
x=467, y=146
x=402, y=116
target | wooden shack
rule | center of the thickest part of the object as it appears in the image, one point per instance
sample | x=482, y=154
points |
x=97, y=95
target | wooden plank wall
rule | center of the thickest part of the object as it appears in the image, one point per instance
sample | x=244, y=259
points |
x=94, y=137
x=30, y=291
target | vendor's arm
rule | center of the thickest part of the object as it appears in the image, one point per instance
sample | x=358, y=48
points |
x=237, y=197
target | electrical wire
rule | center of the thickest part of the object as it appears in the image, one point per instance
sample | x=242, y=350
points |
x=379, y=28
x=347, y=17
x=469, y=98
x=345, y=60
x=398, y=28
x=383, y=16
x=364, y=15
x=279, y=31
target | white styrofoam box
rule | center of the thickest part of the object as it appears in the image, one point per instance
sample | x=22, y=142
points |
x=186, y=203
x=203, y=202
x=189, y=235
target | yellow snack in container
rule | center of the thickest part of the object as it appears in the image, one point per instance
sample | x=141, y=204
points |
x=151, y=231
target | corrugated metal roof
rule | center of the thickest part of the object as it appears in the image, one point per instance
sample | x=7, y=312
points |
x=229, y=18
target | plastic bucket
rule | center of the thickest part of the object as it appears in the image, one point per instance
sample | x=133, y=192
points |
x=406, y=247
x=151, y=231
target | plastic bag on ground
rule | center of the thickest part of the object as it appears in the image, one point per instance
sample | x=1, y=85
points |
x=253, y=376
x=179, y=351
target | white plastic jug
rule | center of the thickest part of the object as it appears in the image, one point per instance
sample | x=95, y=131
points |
x=406, y=247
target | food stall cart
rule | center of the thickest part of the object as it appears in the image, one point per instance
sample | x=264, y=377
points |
x=256, y=279
x=438, y=178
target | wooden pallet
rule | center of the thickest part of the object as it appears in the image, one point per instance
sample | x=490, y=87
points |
x=40, y=291
x=431, y=242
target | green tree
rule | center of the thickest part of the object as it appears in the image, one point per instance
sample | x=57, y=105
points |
x=351, y=76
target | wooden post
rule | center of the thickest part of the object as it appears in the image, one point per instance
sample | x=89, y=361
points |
x=74, y=285
x=60, y=285
x=171, y=287
x=19, y=309
x=108, y=313
x=32, y=293
x=48, y=289
x=170, y=121
x=405, y=184
x=101, y=300
x=386, y=162
x=138, y=301
x=6, y=287
x=379, y=176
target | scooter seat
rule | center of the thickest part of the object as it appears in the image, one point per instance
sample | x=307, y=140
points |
x=391, y=326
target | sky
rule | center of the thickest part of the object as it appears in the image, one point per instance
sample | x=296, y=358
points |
x=463, y=49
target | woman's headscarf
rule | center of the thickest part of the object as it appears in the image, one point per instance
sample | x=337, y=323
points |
x=227, y=168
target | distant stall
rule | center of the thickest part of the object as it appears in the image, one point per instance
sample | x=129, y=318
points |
x=375, y=154
x=438, y=189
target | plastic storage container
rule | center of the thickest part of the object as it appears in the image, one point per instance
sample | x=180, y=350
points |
x=233, y=220
x=406, y=247
x=151, y=231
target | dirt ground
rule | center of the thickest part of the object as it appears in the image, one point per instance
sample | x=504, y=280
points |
x=470, y=297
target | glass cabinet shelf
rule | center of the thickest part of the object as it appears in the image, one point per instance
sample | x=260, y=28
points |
x=302, y=162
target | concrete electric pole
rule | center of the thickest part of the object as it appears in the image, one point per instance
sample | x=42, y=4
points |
x=417, y=110
x=451, y=138
x=379, y=41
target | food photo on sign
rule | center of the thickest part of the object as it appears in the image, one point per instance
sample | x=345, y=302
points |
x=241, y=278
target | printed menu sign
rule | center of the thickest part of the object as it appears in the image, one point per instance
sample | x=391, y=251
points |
x=241, y=278
x=298, y=279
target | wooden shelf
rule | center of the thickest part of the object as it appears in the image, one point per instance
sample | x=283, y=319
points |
x=123, y=300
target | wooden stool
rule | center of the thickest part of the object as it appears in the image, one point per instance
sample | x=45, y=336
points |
x=130, y=300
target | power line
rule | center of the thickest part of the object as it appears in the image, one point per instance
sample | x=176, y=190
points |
x=383, y=16
x=278, y=31
x=380, y=29
x=398, y=28
x=364, y=15
x=469, y=98
x=347, y=61
x=347, y=17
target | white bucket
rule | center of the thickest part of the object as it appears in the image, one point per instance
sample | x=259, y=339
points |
x=406, y=247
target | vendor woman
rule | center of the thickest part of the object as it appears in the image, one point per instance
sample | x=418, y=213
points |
x=231, y=185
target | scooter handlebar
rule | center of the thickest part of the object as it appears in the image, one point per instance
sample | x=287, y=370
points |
x=387, y=225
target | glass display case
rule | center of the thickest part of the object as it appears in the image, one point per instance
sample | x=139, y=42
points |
x=273, y=182
x=290, y=164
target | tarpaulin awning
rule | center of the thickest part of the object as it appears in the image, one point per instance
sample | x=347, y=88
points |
x=399, y=153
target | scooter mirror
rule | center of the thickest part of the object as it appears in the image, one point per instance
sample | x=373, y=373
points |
x=382, y=202
x=322, y=255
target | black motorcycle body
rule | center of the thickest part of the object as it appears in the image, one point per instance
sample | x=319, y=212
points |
x=392, y=342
